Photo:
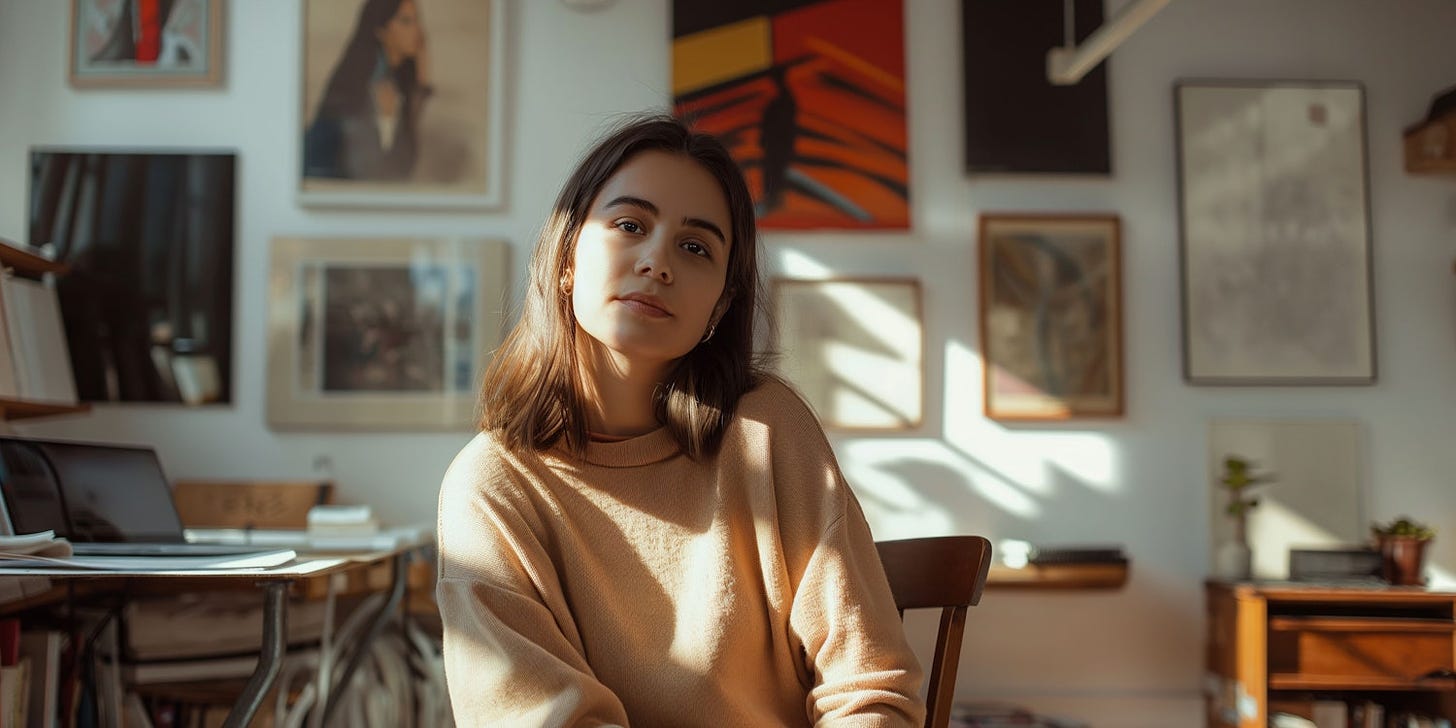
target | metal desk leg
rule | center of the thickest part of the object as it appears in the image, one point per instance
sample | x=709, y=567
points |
x=376, y=624
x=270, y=660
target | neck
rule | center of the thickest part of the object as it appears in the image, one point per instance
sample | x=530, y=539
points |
x=617, y=392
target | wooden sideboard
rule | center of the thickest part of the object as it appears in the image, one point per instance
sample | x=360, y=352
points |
x=1284, y=642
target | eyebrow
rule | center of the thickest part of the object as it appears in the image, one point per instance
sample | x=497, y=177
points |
x=697, y=222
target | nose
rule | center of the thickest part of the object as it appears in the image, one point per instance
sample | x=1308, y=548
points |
x=653, y=264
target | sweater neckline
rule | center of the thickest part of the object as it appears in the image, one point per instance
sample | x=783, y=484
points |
x=644, y=449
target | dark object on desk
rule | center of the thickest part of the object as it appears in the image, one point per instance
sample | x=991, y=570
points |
x=1089, y=554
x=105, y=499
x=1357, y=563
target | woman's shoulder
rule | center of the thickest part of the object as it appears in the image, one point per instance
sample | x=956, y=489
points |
x=775, y=402
x=480, y=467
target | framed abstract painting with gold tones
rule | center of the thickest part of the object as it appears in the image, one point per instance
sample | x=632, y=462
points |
x=1051, y=316
x=809, y=96
x=381, y=333
x=146, y=43
x=853, y=347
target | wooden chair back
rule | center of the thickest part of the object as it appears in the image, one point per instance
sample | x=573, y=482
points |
x=945, y=572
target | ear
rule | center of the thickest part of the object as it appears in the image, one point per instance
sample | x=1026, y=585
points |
x=568, y=279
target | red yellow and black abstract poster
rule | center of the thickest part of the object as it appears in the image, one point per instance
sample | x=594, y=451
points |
x=809, y=96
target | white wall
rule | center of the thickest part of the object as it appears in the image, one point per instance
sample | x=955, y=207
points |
x=1139, y=480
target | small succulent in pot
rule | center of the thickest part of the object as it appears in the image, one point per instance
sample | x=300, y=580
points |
x=1403, y=527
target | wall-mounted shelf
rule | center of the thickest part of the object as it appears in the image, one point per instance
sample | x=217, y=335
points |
x=1059, y=576
x=15, y=409
x=24, y=261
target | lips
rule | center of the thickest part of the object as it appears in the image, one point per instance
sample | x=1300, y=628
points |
x=646, y=304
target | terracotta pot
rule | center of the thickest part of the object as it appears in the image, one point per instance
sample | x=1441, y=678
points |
x=1403, y=559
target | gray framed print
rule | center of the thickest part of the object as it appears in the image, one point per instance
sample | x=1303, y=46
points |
x=1275, y=233
x=381, y=333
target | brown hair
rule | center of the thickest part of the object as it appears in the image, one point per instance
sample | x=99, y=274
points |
x=531, y=395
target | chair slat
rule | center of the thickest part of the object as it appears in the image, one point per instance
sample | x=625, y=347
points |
x=946, y=572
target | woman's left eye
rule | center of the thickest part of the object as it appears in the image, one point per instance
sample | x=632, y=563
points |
x=696, y=248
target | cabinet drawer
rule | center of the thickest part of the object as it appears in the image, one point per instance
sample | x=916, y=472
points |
x=1379, y=652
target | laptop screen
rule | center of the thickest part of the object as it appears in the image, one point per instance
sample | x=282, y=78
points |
x=87, y=492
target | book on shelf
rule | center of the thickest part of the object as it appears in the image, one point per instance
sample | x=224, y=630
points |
x=1052, y=554
x=39, y=358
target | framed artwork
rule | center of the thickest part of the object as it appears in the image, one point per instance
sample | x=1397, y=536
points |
x=853, y=348
x=403, y=104
x=809, y=97
x=148, y=304
x=1275, y=243
x=384, y=334
x=146, y=43
x=1051, y=316
x=1016, y=120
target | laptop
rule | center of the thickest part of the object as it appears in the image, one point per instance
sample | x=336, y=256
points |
x=111, y=500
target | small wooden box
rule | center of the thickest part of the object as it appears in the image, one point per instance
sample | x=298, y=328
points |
x=249, y=504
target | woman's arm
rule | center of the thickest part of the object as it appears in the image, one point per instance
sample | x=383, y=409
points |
x=512, y=656
x=864, y=671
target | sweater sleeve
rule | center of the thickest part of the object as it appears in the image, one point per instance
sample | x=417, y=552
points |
x=511, y=651
x=864, y=671
x=843, y=614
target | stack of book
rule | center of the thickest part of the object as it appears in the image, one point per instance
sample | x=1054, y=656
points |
x=35, y=364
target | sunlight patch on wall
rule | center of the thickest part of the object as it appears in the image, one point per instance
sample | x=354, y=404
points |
x=920, y=486
x=1030, y=459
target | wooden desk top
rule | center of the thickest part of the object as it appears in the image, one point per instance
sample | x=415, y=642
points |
x=1294, y=591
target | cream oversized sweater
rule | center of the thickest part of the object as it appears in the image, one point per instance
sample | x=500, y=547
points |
x=639, y=587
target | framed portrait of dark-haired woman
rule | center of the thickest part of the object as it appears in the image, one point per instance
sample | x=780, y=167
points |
x=402, y=103
x=146, y=43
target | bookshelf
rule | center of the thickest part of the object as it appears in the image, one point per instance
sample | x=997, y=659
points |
x=29, y=265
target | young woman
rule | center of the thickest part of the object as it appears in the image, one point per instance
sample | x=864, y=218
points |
x=650, y=530
x=367, y=125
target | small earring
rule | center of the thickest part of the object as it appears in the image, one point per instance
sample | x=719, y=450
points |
x=713, y=328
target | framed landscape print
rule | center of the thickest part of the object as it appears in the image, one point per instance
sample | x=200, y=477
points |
x=809, y=98
x=403, y=103
x=853, y=348
x=384, y=334
x=1051, y=316
x=151, y=43
x=1275, y=244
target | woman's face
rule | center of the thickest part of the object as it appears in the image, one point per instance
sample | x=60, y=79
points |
x=401, y=37
x=651, y=259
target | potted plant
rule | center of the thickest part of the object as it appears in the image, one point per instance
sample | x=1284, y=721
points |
x=1235, y=558
x=1402, y=546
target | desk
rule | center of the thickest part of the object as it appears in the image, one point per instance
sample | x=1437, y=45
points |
x=274, y=583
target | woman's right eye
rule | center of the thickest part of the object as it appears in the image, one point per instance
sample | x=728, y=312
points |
x=629, y=226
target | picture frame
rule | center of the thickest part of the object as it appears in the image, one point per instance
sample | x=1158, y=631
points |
x=854, y=348
x=381, y=333
x=1051, y=316
x=1272, y=183
x=118, y=44
x=427, y=132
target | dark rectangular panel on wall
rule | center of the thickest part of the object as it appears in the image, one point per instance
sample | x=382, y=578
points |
x=1017, y=120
